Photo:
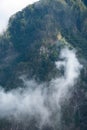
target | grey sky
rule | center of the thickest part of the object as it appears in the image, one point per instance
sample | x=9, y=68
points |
x=9, y=7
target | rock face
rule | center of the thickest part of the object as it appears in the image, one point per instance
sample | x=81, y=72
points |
x=31, y=44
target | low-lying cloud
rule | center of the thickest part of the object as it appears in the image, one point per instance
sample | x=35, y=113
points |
x=39, y=100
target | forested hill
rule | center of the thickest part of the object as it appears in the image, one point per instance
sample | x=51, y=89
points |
x=31, y=45
x=29, y=42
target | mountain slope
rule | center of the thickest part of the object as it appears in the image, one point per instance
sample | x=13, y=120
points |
x=31, y=45
x=37, y=28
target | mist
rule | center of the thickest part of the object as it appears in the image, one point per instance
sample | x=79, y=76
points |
x=41, y=101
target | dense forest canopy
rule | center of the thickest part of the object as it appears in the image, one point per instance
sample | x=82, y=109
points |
x=32, y=44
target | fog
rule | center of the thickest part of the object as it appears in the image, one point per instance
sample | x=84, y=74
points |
x=41, y=101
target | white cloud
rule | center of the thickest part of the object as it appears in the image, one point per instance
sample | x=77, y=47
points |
x=9, y=7
x=39, y=100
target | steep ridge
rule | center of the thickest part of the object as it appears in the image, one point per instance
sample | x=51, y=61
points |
x=36, y=28
x=31, y=45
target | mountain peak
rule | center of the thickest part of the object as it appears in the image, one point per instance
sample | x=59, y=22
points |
x=30, y=48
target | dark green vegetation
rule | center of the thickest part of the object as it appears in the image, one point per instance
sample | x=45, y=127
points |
x=30, y=46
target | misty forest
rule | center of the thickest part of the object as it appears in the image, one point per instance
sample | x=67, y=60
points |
x=43, y=67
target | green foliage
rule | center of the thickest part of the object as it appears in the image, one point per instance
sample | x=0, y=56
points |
x=30, y=46
x=37, y=26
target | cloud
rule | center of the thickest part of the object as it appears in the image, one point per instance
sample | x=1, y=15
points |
x=9, y=7
x=39, y=100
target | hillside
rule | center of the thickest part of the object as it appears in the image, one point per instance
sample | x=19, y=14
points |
x=31, y=45
x=37, y=26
